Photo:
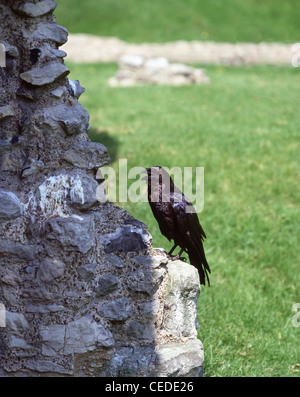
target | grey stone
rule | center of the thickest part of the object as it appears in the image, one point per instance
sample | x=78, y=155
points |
x=106, y=284
x=136, y=362
x=62, y=118
x=10, y=277
x=32, y=167
x=126, y=239
x=16, y=323
x=87, y=272
x=6, y=111
x=19, y=343
x=4, y=146
x=36, y=9
x=138, y=331
x=58, y=92
x=45, y=309
x=47, y=366
x=75, y=88
x=10, y=49
x=53, y=339
x=179, y=359
x=21, y=251
x=87, y=155
x=83, y=190
x=50, y=270
x=180, y=303
x=50, y=31
x=10, y=206
x=72, y=233
x=47, y=74
x=145, y=280
x=151, y=261
x=149, y=310
x=116, y=310
x=115, y=260
x=85, y=335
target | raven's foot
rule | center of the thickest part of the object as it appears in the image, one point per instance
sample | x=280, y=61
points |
x=176, y=257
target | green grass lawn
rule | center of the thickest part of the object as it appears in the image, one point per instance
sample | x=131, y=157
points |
x=243, y=128
x=169, y=20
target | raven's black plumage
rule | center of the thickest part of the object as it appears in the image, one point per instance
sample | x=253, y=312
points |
x=169, y=207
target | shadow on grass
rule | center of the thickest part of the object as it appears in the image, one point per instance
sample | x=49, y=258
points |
x=107, y=140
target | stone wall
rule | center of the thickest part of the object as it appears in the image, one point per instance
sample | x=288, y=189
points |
x=84, y=291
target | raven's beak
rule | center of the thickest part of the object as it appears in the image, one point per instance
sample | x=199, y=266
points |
x=145, y=178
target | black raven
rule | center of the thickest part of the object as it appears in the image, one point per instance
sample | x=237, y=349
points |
x=177, y=218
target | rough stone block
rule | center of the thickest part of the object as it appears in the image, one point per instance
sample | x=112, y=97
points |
x=34, y=10
x=85, y=335
x=106, y=284
x=182, y=293
x=179, y=359
x=87, y=155
x=116, y=310
x=10, y=206
x=45, y=75
x=145, y=280
x=52, y=32
x=72, y=233
x=63, y=118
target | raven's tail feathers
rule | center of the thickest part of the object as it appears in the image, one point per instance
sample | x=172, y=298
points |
x=198, y=259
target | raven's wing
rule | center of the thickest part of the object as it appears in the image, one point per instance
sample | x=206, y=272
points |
x=163, y=213
x=191, y=236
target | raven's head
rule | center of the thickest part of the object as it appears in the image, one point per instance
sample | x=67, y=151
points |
x=152, y=172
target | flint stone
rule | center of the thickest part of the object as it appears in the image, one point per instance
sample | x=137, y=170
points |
x=180, y=303
x=106, y=284
x=126, y=238
x=149, y=310
x=21, y=251
x=75, y=88
x=72, y=233
x=58, y=92
x=53, y=339
x=62, y=118
x=46, y=74
x=79, y=336
x=133, y=362
x=115, y=260
x=34, y=10
x=179, y=359
x=85, y=335
x=32, y=167
x=116, y=310
x=151, y=261
x=6, y=111
x=47, y=366
x=10, y=49
x=16, y=323
x=50, y=270
x=20, y=343
x=4, y=145
x=83, y=191
x=51, y=31
x=10, y=206
x=139, y=331
x=145, y=280
x=87, y=272
x=87, y=155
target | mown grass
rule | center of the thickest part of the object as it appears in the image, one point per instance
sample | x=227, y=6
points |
x=169, y=20
x=243, y=128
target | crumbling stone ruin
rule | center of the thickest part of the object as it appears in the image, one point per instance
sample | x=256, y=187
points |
x=138, y=70
x=83, y=291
